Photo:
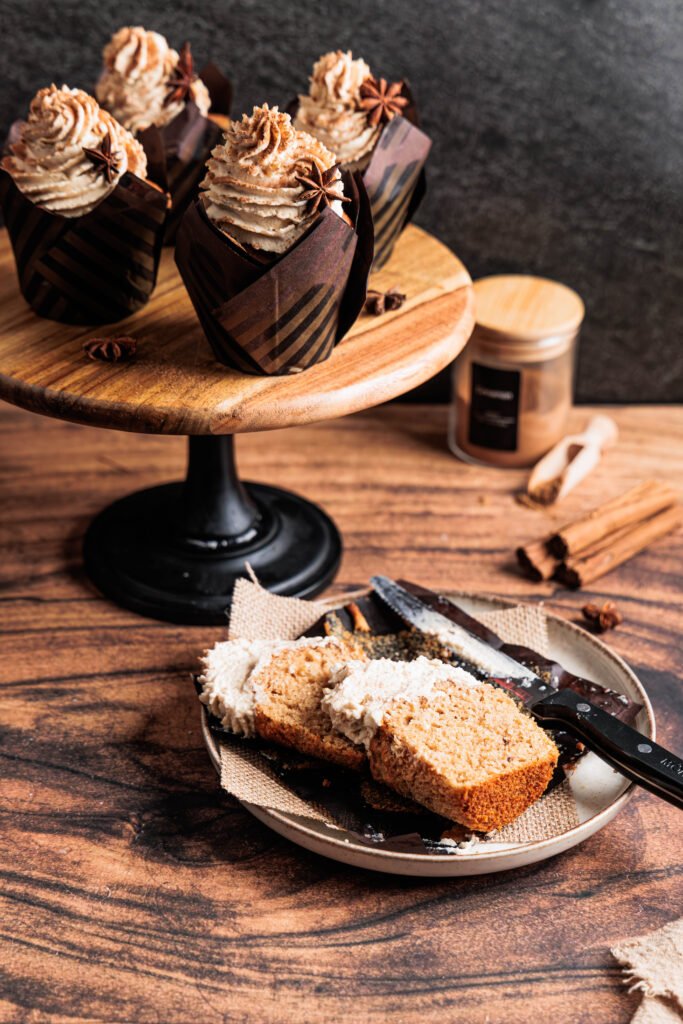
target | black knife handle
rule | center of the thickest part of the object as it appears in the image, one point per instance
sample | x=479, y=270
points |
x=632, y=754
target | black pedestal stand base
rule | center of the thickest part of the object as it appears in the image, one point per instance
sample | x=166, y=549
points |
x=174, y=552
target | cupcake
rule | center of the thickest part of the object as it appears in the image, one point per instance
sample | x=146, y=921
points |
x=276, y=252
x=85, y=224
x=370, y=126
x=154, y=92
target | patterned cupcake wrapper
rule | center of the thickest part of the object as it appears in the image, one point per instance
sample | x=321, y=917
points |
x=285, y=316
x=177, y=153
x=94, y=269
x=395, y=182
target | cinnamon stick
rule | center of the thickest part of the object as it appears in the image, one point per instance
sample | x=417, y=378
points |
x=536, y=560
x=539, y=564
x=637, y=504
x=600, y=545
x=580, y=570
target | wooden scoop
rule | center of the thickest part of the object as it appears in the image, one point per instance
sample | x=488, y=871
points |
x=570, y=461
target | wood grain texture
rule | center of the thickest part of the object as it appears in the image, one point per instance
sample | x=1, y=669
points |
x=175, y=386
x=133, y=889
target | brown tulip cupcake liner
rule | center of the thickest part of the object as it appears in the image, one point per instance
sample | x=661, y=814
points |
x=286, y=315
x=94, y=269
x=177, y=152
x=395, y=181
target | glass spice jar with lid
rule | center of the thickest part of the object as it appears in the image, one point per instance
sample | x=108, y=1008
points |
x=513, y=381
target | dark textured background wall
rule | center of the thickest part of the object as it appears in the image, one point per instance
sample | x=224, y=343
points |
x=557, y=128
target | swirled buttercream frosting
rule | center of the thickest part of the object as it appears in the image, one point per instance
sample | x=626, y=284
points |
x=253, y=189
x=50, y=163
x=137, y=80
x=331, y=110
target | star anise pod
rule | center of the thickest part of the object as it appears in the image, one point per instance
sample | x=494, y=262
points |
x=104, y=160
x=182, y=78
x=377, y=303
x=381, y=101
x=110, y=350
x=318, y=191
x=602, y=617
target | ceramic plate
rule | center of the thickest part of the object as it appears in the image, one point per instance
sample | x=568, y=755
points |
x=600, y=793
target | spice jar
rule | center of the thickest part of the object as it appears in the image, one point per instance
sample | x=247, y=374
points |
x=513, y=382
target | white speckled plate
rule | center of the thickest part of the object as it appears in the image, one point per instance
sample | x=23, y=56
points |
x=599, y=792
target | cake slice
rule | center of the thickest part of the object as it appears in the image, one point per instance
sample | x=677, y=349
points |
x=469, y=754
x=273, y=689
x=436, y=735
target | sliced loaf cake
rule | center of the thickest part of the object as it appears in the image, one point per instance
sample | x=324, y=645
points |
x=460, y=747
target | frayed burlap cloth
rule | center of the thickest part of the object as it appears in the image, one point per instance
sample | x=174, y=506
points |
x=256, y=613
x=654, y=964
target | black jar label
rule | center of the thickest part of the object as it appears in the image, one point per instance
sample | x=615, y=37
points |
x=494, y=409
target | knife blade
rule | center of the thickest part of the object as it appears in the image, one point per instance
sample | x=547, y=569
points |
x=628, y=751
x=459, y=640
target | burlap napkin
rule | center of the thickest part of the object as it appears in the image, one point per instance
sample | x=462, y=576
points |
x=654, y=964
x=258, y=614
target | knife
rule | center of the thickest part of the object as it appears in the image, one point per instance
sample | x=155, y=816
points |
x=628, y=751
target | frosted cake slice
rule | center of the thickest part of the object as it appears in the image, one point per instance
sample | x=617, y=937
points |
x=460, y=747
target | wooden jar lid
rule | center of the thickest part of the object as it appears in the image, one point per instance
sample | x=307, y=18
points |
x=526, y=308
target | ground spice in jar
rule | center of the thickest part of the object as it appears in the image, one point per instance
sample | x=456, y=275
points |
x=513, y=382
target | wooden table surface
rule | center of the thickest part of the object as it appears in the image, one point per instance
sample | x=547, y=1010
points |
x=134, y=889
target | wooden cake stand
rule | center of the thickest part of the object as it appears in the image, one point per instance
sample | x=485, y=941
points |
x=173, y=551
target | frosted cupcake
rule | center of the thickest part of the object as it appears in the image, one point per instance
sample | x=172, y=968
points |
x=154, y=91
x=276, y=252
x=72, y=180
x=369, y=125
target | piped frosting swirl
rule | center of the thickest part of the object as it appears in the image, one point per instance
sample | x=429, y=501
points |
x=134, y=84
x=331, y=110
x=48, y=162
x=252, y=189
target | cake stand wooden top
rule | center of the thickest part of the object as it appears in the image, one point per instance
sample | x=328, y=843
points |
x=175, y=386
